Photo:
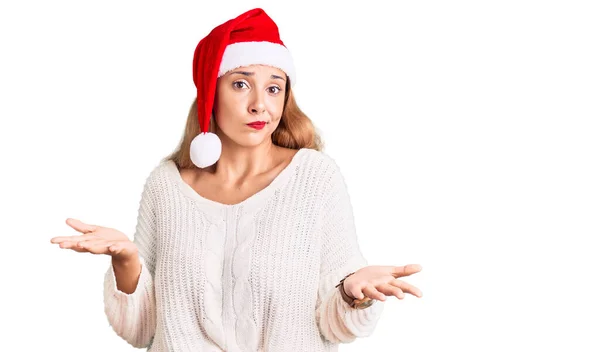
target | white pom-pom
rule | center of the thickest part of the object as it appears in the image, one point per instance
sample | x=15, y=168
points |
x=205, y=149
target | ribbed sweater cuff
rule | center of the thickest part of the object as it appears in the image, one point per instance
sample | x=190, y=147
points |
x=344, y=323
x=119, y=297
x=132, y=316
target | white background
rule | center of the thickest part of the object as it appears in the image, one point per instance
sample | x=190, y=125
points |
x=468, y=132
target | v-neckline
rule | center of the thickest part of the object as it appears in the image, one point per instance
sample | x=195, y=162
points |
x=250, y=202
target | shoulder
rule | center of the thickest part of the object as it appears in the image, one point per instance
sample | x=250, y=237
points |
x=321, y=161
x=161, y=169
x=322, y=168
x=157, y=174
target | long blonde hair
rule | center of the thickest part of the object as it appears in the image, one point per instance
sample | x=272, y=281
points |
x=295, y=131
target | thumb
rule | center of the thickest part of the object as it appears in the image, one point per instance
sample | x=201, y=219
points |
x=406, y=270
x=80, y=226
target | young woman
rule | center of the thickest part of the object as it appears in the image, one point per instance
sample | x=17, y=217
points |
x=245, y=239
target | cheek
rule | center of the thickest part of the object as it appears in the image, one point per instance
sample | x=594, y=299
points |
x=276, y=107
x=224, y=110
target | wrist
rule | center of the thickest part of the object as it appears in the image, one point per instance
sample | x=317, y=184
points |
x=126, y=261
x=346, y=290
x=355, y=303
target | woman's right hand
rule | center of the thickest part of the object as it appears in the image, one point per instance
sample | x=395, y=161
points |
x=98, y=240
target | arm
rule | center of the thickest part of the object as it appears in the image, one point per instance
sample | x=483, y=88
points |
x=341, y=255
x=129, y=301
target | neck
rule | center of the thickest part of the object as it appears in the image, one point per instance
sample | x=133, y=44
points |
x=240, y=162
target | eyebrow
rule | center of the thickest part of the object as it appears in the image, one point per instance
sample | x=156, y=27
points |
x=246, y=73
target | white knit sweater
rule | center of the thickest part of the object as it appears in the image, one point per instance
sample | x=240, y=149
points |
x=259, y=275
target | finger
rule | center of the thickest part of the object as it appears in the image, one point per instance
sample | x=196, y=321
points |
x=407, y=288
x=80, y=226
x=405, y=270
x=72, y=246
x=72, y=238
x=391, y=290
x=117, y=248
x=371, y=292
x=356, y=292
x=111, y=247
x=92, y=243
x=67, y=244
x=96, y=246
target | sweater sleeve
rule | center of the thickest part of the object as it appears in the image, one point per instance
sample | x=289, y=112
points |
x=341, y=255
x=133, y=316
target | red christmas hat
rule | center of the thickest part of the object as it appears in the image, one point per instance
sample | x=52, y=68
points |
x=249, y=39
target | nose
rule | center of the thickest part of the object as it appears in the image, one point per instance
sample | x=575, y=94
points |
x=257, y=103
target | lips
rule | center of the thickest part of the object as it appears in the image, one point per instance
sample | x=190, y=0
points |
x=257, y=124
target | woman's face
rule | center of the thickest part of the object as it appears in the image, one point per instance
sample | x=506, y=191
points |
x=245, y=98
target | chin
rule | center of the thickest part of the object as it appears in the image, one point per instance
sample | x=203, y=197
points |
x=251, y=141
x=247, y=138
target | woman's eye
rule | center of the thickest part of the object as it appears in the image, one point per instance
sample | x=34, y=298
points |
x=239, y=84
x=274, y=90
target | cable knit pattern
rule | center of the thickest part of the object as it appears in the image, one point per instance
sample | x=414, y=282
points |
x=259, y=275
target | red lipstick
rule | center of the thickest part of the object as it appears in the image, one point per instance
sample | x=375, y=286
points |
x=258, y=125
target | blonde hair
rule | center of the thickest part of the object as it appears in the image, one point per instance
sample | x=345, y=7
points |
x=295, y=131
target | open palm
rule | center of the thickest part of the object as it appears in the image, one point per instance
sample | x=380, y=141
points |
x=97, y=240
x=379, y=281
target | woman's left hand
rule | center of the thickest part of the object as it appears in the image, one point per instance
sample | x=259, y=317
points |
x=378, y=281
